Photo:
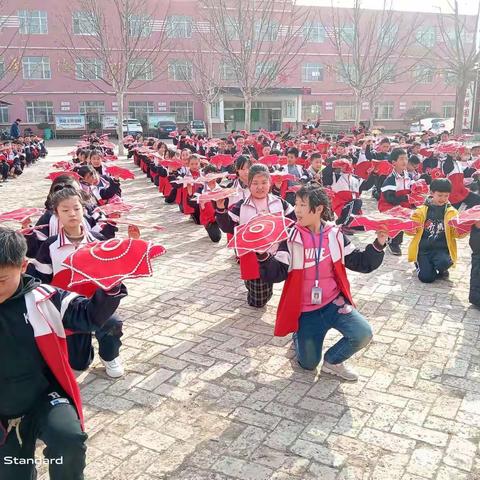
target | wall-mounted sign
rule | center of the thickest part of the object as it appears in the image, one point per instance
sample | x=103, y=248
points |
x=70, y=122
x=162, y=104
x=328, y=105
x=109, y=122
x=65, y=104
x=402, y=105
x=65, y=109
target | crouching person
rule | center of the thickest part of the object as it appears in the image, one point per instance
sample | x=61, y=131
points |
x=39, y=396
x=316, y=296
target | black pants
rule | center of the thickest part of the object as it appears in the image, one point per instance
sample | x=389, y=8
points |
x=80, y=348
x=53, y=420
x=259, y=292
x=214, y=232
x=470, y=201
x=474, y=294
x=430, y=264
x=4, y=169
x=398, y=240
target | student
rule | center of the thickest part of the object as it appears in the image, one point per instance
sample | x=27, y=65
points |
x=101, y=187
x=434, y=246
x=242, y=167
x=314, y=171
x=259, y=201
x=48, y=267
x=395, y=191
x=39, y=396
x=316, y=296
x=474, y=295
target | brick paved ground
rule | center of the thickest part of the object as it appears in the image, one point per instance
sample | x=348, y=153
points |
x=209, y=393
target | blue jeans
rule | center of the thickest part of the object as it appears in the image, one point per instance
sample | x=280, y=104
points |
x=431, y=262
x=313, y=327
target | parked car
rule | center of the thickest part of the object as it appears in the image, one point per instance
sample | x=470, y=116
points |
x=444, y=124
x=424, y=124
x=198, y=127
x=165, y=127
x=132, y=126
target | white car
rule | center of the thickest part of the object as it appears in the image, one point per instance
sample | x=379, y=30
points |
x=424, y=124
x=197, y=127
x=132, y=126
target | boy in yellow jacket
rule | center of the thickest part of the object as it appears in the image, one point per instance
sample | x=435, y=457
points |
x=434, y=247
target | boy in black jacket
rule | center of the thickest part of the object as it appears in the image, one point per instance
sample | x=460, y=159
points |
x=474, y=296
x=39, y=396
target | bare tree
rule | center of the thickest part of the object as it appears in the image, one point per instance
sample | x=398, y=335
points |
x=372, y=49
x=203, y=78
x=459, y=54
x=259, y=42
x=113, y=45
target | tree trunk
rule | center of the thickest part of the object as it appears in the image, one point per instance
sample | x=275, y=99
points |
x=208, y=115
x=358, y=109
x=120, y=99
x=371, y=113
x=247, y=100
x=460, y=94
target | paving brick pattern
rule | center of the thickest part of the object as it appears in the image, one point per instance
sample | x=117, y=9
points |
x=209, y=393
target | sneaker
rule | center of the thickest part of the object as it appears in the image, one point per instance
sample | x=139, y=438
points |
x=443, y=275
x=395, y=249
x=114, y=368
x=340, y=370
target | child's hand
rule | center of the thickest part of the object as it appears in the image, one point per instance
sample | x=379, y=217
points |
x=477, y=224
x=133, y=232
x=220, y=204
x=382, y=237
x=26, y=223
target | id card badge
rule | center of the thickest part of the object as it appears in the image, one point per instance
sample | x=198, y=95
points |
x=316, y=295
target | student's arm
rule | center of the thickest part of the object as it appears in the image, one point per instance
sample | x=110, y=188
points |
x=368, y=183
x=41, y=266
x=289, y=211
x=394, y=199
x=228, y=219
x=112, y=189
x=369, y=153
x=327, y=176
x=274, y=268
x=83, y=314
x=365, y=261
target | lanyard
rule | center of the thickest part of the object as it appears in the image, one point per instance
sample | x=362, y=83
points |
x=318, y=255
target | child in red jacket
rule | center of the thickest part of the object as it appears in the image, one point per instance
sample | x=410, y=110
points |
x=316, y=296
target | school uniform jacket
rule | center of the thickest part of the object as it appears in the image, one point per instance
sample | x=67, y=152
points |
x=288, y=264
x=395, y=191
x=51, y=311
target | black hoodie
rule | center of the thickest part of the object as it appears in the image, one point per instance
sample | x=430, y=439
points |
x=24, y=375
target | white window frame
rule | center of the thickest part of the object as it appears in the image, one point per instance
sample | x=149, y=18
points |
x=424, y=74
x=85, y=66
x=146, y=68
x=347, y=116
x=81, y=23
x=4, y=114
x=426, y=36
x=312, y=72
x=387, y=108
x=315, y=32
x=448, y=105
x=32, y=115
x=180, y=70
x=179, y=26
x=185, y=107
x=311, y=110
x=143, y=22
x=426, y=107
x=29, y=66
x=33, y=18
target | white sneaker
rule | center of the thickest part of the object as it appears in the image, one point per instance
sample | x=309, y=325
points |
x=340, y=370
x=114, y=368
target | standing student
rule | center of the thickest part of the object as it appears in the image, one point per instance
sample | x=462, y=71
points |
x=259, y=201
x=39, y=396
x=316, y=296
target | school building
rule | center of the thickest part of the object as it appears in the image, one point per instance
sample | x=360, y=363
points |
x=50, y=85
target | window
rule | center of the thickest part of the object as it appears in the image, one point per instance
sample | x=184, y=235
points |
x=345, y=111
x=388, y=35
x=267, y=30
x=311, y=111
x=4, y=114
x=315, y=32
x=93, y=110
x=384, y=110
x=289, y=109
x=312, y=72
x=386, y=73
x=426, y=37
x=140, y=70
x=216, y=110
x=140, y=110
x=266, y=70
x=464, y=37
x=450, y=77
x=179, y=26
x=346, y=34
x=424, y=106
x=88, y=69
x=179, y=70
x=140, y=25
x=33, y=22
x=231, y=28
x=423, y=74
x=39, y=112
x=184, y=111
x=346, y=73
x=448, y=109
x=84, y=23
x=227, y=72
x=2, y=68
x=36, y=68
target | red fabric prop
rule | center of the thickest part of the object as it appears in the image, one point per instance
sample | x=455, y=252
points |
x=64, y=165
x=382, y=167
x=52, y=176
x=426, y=152
x=110, y=158
x=107, y=264
x=20, y=214
x=416, y=199
x=435, y=173
x=117, y=207
x=343, y=164
x=216, y=195
x=400, y=212
x=278, y=177
x=451, y=148
x=260, y=233
x=271, y=160
x=173, y=134
x=420, y=187
x=210, y=177
x=172, y=164
x=221, y=160
x=384, y=223
x=123, y=173
x=464, y=221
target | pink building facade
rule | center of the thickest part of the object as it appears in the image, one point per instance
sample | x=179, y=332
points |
x=49, y=85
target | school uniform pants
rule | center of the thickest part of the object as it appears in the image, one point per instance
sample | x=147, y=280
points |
x=259, y=292
x=80, y=348
x=53, y=420
x=4, y=169
x=397, y=240
x=314, y=326
x=432, y=263
x=474, y=294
